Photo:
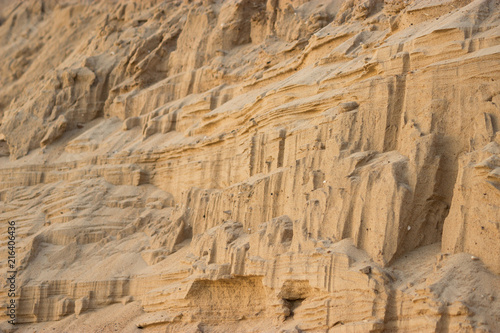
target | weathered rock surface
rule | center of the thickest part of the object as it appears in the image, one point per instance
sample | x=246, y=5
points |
x=251, y=165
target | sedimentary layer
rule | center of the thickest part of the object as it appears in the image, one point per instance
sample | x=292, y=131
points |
x=251, y=165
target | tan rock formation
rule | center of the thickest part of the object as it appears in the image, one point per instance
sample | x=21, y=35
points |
x=251, y=165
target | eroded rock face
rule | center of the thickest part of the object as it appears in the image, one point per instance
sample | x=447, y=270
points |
x=473, y=224
x=322, y=166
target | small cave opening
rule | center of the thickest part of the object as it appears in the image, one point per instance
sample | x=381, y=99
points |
x=293, y=293
x=292, y=304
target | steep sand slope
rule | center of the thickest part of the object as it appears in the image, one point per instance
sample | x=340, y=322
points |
x=251, y=165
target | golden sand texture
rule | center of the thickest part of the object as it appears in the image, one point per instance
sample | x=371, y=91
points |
x=251, y=165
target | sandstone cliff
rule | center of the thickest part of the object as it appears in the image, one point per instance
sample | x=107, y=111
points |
x=251, y=165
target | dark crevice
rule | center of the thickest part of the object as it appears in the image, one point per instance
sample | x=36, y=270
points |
x=292, y=304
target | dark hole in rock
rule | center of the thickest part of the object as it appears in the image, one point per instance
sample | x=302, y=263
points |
x=293, y=304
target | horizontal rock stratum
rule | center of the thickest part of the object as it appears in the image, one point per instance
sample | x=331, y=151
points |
x=251, y=165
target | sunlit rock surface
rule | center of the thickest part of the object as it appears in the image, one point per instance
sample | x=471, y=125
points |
x=251, y=166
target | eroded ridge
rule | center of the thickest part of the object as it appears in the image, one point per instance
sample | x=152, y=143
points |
x=252, y=166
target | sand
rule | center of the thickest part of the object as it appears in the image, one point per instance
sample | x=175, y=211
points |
x=251, y=166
